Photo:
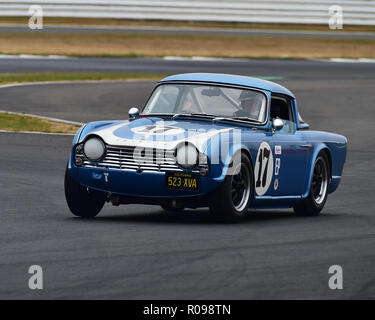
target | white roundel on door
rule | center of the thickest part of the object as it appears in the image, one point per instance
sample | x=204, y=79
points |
x=263, y=169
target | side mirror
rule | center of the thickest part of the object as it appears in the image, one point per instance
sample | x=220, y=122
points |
x=133, y=113
x=277, y=124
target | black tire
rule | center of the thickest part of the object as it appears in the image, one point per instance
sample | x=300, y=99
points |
x=82, y=202
x=318, y=194
x=169, y=208
x=228, y=203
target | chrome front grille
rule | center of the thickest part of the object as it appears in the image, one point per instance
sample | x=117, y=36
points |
x=142, y=159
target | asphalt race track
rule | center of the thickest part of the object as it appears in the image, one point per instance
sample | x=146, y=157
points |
x=296, y=69
x=139, y=252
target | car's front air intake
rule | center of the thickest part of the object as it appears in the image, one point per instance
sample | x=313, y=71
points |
x=138, y=159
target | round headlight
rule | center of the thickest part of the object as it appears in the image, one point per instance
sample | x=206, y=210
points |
x=187, y=155
x=94, y=149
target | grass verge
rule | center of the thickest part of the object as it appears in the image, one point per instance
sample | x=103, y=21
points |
x=183, y=45
x=9, y=78
x=15, y=122
x=182, y=24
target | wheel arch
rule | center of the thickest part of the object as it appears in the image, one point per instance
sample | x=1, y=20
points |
x=321, y=148
x=247, y=152
x=244, y=150
x=327, y=152
x=231, y=154
x=252, y=177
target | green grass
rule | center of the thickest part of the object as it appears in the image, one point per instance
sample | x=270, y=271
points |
x=40, y=77
x=15, y=122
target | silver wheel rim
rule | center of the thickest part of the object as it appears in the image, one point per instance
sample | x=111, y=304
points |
x=240, y=190
x=319, y=182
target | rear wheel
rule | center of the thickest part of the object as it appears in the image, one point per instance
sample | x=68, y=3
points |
x=232, y=199
x=318, y=194
x=82, y=202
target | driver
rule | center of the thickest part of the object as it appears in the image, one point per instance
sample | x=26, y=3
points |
x=188, y=105
x=250, y=104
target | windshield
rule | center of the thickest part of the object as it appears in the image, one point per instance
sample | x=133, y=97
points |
x=207, y=100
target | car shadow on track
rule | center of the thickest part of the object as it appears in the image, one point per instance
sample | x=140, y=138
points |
x=198, y=217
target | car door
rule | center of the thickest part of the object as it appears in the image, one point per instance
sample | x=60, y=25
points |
x=291, y=153
x=290, y=164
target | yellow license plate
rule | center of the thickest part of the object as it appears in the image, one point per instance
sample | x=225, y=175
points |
x=182, y=181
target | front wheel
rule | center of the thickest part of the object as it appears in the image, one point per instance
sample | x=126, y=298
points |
x=231, y=200
x=318, y=194
x=82, y=202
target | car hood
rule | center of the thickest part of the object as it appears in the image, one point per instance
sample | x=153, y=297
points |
x=156, y=132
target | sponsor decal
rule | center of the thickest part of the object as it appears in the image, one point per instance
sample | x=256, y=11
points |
x=276, y=184
x=277, y=166
x=277, y=149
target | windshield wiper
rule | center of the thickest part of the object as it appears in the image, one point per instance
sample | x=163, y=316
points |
x=234, y=119
x=214, y=117
x=245, y=119
x=205, y=114
x=187, y=114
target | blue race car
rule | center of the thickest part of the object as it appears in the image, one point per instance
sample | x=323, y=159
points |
x=226, y=142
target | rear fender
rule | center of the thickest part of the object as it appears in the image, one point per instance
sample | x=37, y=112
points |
x=318, y=148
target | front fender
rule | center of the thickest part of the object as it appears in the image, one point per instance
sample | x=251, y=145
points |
x=220, y=153
x=76, y=139
x=97, y=125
